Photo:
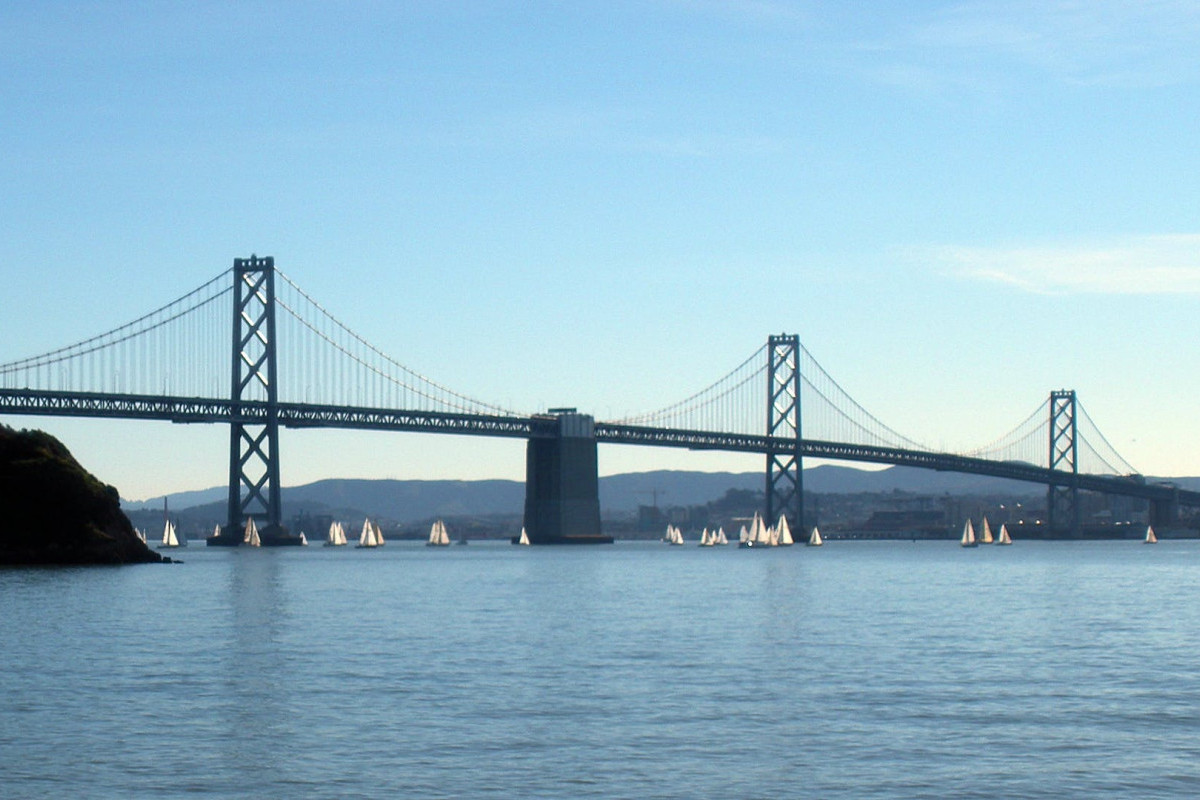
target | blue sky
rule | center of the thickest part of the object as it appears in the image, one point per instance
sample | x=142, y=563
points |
x=958, y=206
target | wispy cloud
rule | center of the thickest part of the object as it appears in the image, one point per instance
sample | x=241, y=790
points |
x=1127, y=43
x=1142, y=265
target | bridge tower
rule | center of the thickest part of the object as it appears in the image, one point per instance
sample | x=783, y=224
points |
x=254, y=425
x=785, y=473
x=1062, y=502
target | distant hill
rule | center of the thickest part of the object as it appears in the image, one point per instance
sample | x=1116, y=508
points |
x=416, y=500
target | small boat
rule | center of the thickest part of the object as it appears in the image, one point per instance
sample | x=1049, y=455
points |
x=761, y=533
x=141, y=534
x=744, y=538
x=336, y=536
x=524, y=538
x=170, y=537
x=968, y=535
x=438, y=537
x=303, y=539
x=369, y=536
x=815, y=539
x=721, y=537
x=1003, y=537
x=707, y=539
x=1150, y=537
x=985, y=535
x=251, y=537
x=673, y=536
x=785, y=533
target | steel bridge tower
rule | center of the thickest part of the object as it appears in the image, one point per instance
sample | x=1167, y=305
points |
x=785, y=473
x=254, y=437
x=1062, y=502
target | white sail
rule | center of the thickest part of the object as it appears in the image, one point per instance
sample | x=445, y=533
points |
x=1150, y=537
x=251, y=536
x=303, y=539
x=379, y=542
x=721, y=537
x=438, y=536
x=968, y=535
x=524, y=540
x=367, y=537
x=141, y=534
x=785, y=533
x=815, y=539
x=985, y=535
x=743, y=535
x=762, y=533
x=676, y=535
x=336, y=536
x=773, y=536
x=341, y=534
x=1003, y=537
x=169, y=538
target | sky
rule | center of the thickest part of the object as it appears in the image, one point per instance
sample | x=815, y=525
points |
x=958, y=206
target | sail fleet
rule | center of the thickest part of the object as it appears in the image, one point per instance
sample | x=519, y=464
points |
x=759, y=534
x=969, y=539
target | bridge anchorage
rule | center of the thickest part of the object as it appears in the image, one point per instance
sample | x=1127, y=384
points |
x=289, y=363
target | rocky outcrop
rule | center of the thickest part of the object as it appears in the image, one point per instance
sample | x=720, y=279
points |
x=53, y=511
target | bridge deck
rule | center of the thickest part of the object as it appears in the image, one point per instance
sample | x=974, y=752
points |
x=301, y=415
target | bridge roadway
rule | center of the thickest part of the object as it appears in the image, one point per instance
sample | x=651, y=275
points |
x=304, y=415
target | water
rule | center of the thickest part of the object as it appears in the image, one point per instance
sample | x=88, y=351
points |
x=858, y=670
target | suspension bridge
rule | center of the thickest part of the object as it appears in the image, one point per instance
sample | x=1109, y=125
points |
x=250, y=349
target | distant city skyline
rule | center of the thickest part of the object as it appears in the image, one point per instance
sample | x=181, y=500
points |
x=957, y=206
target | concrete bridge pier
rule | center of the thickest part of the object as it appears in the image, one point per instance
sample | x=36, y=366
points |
x=1165, y=513
x=562, y=494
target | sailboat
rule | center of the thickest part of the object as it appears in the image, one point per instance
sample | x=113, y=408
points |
x=1003, y=538
x=141, y=534
x=985, y=535
x=968, y=535
x=369, y=536
x=721, y=538
x=1150, y=537
x=524, y=538
x=337, y=535
x=170, y=537
x=674, y=535
x=251, y=536
x=815, y=539
x=438, y=537
x=744, y=537
x=706, y=538
x=785, y=533
x=760, y=532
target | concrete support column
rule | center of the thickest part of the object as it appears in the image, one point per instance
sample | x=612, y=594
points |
x=562, y=495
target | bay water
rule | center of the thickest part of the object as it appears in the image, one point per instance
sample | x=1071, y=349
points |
x=855, y=670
